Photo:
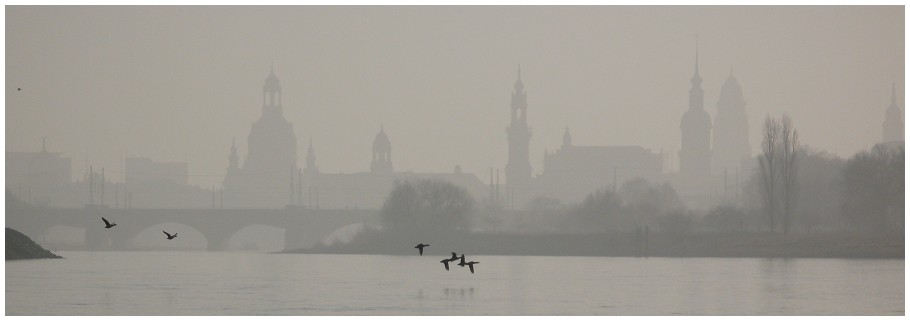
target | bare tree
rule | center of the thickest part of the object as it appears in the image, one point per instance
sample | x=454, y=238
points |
x=767, y=162
x=789, y=152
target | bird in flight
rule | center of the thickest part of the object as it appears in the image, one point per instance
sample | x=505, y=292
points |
x=471, y=265
x=18, y=89
x=420, y=247
x=445, y=262
x=462, y=263
x=169, y=236
x=108, y=224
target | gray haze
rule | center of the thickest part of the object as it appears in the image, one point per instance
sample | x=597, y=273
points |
x=179, y=83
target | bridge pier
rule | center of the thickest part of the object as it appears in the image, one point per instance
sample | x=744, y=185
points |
x=217, y=242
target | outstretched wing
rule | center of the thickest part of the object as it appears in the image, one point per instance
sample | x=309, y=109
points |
x=421, y=250
x=472, y=268
x=165, y=233
x=446, y=263
x=105, y=221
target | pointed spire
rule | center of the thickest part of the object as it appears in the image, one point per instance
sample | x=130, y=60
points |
x=519, y=86
x=696, y=79
x=696, y=54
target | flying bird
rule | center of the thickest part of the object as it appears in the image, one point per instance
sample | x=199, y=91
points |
x=420, y=247
x=108, y=224
x=471, y=265
x=462, y=263
x=18, y=89
x=169, y=236
x=446, y=263
x=454, y=257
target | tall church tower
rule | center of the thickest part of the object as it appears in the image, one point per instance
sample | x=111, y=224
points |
x=518, y=169
x=382, y=153
x=695, y=154
x=893, y=127
x=731, y=128
x=311, y=160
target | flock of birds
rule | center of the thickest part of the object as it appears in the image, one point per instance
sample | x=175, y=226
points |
x=419, y=247
x=108, y=224
x=455, y=257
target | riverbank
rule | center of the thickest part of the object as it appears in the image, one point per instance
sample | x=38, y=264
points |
x=762, y=245
x=21, y=247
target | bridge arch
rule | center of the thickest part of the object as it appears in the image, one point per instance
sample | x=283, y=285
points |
x=348, y=232
x=257, y=237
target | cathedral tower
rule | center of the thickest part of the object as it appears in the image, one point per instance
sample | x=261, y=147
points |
x=893, y=127
x=518, y=169
x=382, y=153
x=695, y=152
x=731, y=128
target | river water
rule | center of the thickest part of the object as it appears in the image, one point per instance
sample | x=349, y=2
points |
x=243, y=283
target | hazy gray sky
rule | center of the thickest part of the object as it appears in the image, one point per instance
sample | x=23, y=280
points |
x=175, y=82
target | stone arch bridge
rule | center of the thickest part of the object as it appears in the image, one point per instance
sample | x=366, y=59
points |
x=303, y=227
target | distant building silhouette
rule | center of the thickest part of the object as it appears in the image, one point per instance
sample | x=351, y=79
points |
x=38, y=176
x=368, y=190
x=518, y=168
x=271, y=158
x=731, y=129
x=311, y=167
x=571, y=172
x=144, y=171
x=893, y=126
x=382, y=153
x=695, y=152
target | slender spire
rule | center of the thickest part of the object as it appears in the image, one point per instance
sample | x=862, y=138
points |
x=696, y=54
x=696, y=79
x=519, y=86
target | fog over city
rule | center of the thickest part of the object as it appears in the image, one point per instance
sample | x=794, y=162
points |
x=455, y=160
x=178, y=84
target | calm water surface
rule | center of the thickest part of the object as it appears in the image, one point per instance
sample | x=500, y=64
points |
x=225, y=283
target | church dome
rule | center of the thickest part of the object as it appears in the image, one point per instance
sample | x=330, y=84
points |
x=731, y=89
x=381, y=142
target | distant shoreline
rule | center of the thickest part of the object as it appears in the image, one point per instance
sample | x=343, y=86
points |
x=707, y=245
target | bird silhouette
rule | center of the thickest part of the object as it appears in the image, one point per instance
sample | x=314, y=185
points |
x=471, y=265
x=420, y=247
x=169, y=236
x=18, y=89
x=108, y=224
x=462, y=263
x=454, y=257
x=445, y=262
